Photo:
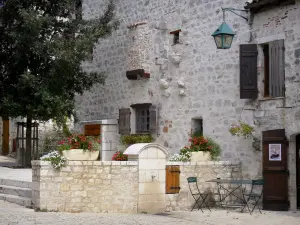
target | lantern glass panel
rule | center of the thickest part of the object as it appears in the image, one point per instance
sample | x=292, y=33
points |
x=218, y=40
x=227, y=41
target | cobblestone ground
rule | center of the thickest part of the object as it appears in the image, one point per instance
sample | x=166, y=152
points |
x=11, y=214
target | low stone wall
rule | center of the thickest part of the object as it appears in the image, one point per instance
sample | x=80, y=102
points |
x=112, y=186
x=203, y=171
x=86, y=186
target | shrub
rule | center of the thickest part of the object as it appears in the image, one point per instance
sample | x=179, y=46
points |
x=136, y=138
x=119, y=156
x=56, y=159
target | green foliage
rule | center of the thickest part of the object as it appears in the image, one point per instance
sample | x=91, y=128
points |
x=79, y=141
x=136, y=138
x=215, y=150
x=119, y=156
x=241, y=129
x=198, y=133
x=199, y=144
x=56, y=159
x=42, y=47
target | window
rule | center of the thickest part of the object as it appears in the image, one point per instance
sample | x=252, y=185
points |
x=273, y=70
x=140, y=118
x=197, y=127
x=175, y=36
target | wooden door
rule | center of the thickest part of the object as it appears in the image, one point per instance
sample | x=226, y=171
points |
x=5, y=139
x=275, y=170
x=298, y=169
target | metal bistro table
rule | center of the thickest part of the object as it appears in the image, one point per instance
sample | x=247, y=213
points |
x=232, y=191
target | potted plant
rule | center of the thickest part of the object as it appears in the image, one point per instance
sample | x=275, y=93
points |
x=119, y=156
x=200, y=149
x=80, y=147
x=245, y=130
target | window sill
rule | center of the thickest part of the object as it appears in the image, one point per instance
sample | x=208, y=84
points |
x=270, y=98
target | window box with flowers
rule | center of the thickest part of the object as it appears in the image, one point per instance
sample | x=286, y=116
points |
x=80, y=147
x=200, y=149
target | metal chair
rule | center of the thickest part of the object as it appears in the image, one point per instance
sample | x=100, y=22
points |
x=200, y=198
x=253, y=195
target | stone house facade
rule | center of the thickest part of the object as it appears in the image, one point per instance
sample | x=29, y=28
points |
x=166, y=76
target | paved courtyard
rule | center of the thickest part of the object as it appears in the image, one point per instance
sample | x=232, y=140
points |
x=11, y=214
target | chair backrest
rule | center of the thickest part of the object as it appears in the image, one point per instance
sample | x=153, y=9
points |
x=258, y=182
x=192, y=179
x=193, y=185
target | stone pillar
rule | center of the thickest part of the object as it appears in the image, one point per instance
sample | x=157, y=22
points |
x=152, y=176
x=109, y=140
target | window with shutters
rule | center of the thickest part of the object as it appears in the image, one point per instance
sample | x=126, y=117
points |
x=139, y=119
x=273, y=55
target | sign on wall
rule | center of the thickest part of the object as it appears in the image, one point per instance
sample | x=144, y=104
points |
x=92, y=130
x=275, y=152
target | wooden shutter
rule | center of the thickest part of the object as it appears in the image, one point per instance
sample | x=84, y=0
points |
x=172, y=179
x=124, y=121
x=153, y=118
x=248, y=71
x=276, y=68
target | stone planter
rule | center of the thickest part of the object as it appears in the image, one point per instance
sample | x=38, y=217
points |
x=200, y=156
x=79, y=155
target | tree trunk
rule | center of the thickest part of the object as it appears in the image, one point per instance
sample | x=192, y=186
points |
x=28, y=142
x=5, y=135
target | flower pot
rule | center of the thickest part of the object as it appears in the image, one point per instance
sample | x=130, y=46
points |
x=80, y=154
x=200, y=156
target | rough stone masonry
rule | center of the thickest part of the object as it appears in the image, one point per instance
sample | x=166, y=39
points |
x=192, y=79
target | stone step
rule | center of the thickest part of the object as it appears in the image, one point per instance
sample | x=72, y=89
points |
x=15, y=183
x=18, y=191
x=23, y=201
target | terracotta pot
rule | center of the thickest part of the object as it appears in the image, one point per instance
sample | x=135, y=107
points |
x=200, y=156
x=79, y=155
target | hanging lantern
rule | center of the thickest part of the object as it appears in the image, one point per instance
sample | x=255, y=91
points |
x=223, y=36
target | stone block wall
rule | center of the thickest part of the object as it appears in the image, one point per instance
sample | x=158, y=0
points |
x=204, y=171
x=86, y=186
x=121, y=187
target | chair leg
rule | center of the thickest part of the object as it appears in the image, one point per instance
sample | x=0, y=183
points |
x=197, y=203
x=255, y=204
x=245, y=203
x=205, y=202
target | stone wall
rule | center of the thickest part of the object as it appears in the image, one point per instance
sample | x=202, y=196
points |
x=204, y=171
x=121, y=187
x=191, y=79
x=86, y=186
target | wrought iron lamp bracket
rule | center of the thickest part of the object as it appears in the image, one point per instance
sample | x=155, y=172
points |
x=233, y=11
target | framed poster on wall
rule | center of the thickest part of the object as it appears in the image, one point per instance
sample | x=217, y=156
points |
x=275, y=152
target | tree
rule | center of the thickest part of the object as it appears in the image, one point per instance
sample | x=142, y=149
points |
x=42, y=46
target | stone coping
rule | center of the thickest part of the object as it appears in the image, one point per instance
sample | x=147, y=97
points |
x=135, y=163
x=88, y=163
x=103, y=122
x=219, y=163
